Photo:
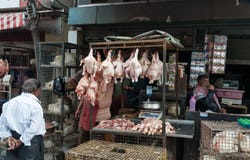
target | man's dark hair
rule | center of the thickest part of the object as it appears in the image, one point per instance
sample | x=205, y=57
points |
x=202, y=76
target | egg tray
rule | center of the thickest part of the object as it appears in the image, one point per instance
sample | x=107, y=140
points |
x=103, y=150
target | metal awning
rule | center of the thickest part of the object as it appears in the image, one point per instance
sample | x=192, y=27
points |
x=11, y=20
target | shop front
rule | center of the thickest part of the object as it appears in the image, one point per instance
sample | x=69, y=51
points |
x=126, y=20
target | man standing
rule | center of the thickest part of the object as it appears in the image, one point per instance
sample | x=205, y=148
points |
x=23, y=124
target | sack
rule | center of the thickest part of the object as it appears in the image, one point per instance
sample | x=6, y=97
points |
x=59, y=86
x=207, y=103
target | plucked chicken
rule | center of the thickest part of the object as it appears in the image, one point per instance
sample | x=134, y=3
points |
x=99, y=74
x=90, y=64
x=135, y=67
x=118, y=66
x=126, y=65
x=145, y=63
x=107, y=68
x=155, y=69
x=92, y=91
x=82, y=86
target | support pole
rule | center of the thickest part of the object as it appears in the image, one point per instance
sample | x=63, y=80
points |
x=36, y=39
x=164, y=95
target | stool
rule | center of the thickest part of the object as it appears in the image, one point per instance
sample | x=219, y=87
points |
x=243, y=107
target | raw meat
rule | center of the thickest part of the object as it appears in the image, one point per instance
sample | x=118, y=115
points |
x=92, y=91
x=82, y=86
x=118, y=66
x=153, y=126
x=145, y=63
x=116, y=124
x=126, y=65
x=135, y=67
x=89, y=64
x=107, y=68
x=155, y=69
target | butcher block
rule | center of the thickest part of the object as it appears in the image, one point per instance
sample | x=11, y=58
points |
x=103, y=150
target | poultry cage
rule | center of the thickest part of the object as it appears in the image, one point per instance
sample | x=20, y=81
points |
x=125, y=137
x=104, y=150
x=221, y=140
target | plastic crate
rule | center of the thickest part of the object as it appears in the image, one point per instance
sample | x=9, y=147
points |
x=226, y=93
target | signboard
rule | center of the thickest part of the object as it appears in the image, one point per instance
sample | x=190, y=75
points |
x=10, y=3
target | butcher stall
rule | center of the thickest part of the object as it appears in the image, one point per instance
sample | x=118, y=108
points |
x=158, y=132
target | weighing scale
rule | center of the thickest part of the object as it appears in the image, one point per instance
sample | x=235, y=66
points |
x=150, y=113
x=229, y=84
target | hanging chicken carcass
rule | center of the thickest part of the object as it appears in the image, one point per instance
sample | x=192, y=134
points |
x=82, y=86
x=90, y=64
x=118, y=66
x=126, y=65
x=92, y=91
x=145, y=63
x=99, y=73
x=107, y=68
x=155, y=69
x=135, y=67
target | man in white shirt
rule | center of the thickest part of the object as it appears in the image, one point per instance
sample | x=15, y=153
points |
x=23, y=124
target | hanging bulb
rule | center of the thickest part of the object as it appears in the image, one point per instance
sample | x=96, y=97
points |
x=237, y=3
x=168, y=20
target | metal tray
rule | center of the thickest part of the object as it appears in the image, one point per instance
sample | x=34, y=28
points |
x=184, y=129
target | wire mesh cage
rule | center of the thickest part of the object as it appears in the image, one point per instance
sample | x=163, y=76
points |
x=52, y=64
x=128, y=138
x=47, y=97
x=103, y=150
x=224, y=140
x=47, y=75
x=49, y=54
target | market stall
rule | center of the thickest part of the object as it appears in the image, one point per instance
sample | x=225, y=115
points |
x=133, y=131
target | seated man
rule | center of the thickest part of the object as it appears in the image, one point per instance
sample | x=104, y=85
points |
x=205, y=96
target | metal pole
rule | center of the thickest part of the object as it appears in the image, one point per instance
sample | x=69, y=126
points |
x=36, y=39
x=164, y=95
x=177, y=81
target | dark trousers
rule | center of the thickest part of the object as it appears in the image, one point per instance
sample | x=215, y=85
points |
x=33, y=152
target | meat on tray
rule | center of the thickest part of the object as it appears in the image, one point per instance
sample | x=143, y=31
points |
x=116, y=124
x=149, y=126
